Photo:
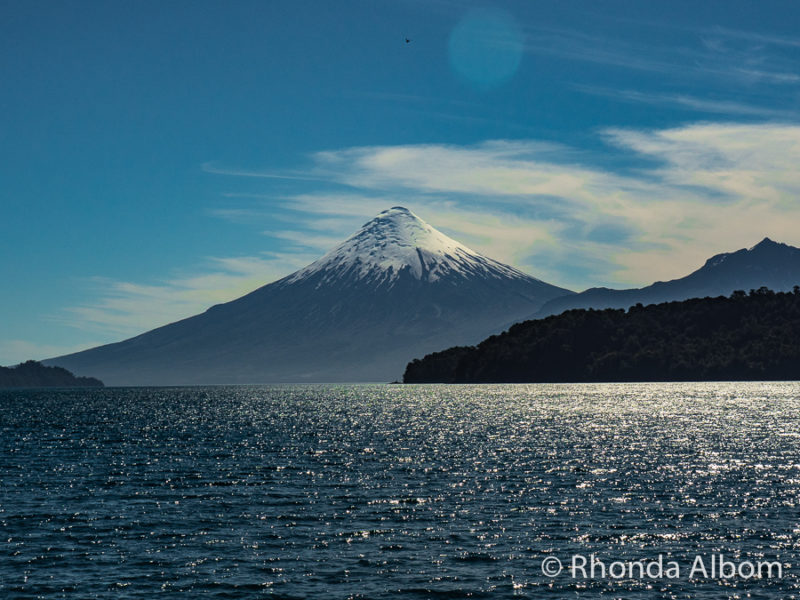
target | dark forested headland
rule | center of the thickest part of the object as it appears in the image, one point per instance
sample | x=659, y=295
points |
x=34, y=374
x=753, y=336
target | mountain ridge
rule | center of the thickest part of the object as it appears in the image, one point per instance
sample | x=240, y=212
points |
x=768, y=264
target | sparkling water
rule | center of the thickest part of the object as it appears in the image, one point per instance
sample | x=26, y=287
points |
x=401, y=491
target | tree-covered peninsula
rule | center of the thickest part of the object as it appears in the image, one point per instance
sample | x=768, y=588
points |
x=32, y=374
x=753, y=336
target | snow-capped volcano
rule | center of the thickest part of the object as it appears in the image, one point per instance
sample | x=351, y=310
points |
x=397, y=240
x=395, y=290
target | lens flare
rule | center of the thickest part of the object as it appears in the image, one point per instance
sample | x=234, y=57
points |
x=485, y=47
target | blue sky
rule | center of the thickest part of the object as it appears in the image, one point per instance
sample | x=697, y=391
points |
x=158, y=158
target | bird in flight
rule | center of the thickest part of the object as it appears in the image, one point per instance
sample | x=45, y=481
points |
x=408, y=41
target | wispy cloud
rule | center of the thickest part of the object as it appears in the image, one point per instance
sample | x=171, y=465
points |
x=720, y=56
x=580, y=46
x=692, y=103
x=754, y=36
x=123, y=308
x=298, y=175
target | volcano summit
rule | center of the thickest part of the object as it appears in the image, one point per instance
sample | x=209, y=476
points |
x=395, y=290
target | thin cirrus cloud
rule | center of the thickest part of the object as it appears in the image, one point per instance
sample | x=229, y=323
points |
x=717, y=56
x=214, y=169
x=126, y=308
x=691, y=103
x=752, y=36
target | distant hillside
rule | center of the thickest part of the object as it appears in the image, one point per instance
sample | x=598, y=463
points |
x=34, y=374
x=767, y=264
x=744, y=337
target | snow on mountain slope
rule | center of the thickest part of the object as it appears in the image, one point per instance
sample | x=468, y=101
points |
x=398, y=240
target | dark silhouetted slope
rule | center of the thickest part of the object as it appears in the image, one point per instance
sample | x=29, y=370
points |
x=744, y=337
x=33, y=374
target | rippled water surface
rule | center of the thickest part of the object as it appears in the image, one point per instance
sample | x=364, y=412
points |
x=397, y=491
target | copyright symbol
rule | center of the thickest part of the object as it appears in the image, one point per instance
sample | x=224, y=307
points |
x=551, y=566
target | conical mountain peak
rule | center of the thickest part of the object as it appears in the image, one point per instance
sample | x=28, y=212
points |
x=397, y=242
x=766, y=243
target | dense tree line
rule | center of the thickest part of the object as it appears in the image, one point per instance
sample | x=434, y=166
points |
x=35, y=374
x=753, y=336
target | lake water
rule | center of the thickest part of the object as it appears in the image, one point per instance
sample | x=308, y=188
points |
x=401, y=491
